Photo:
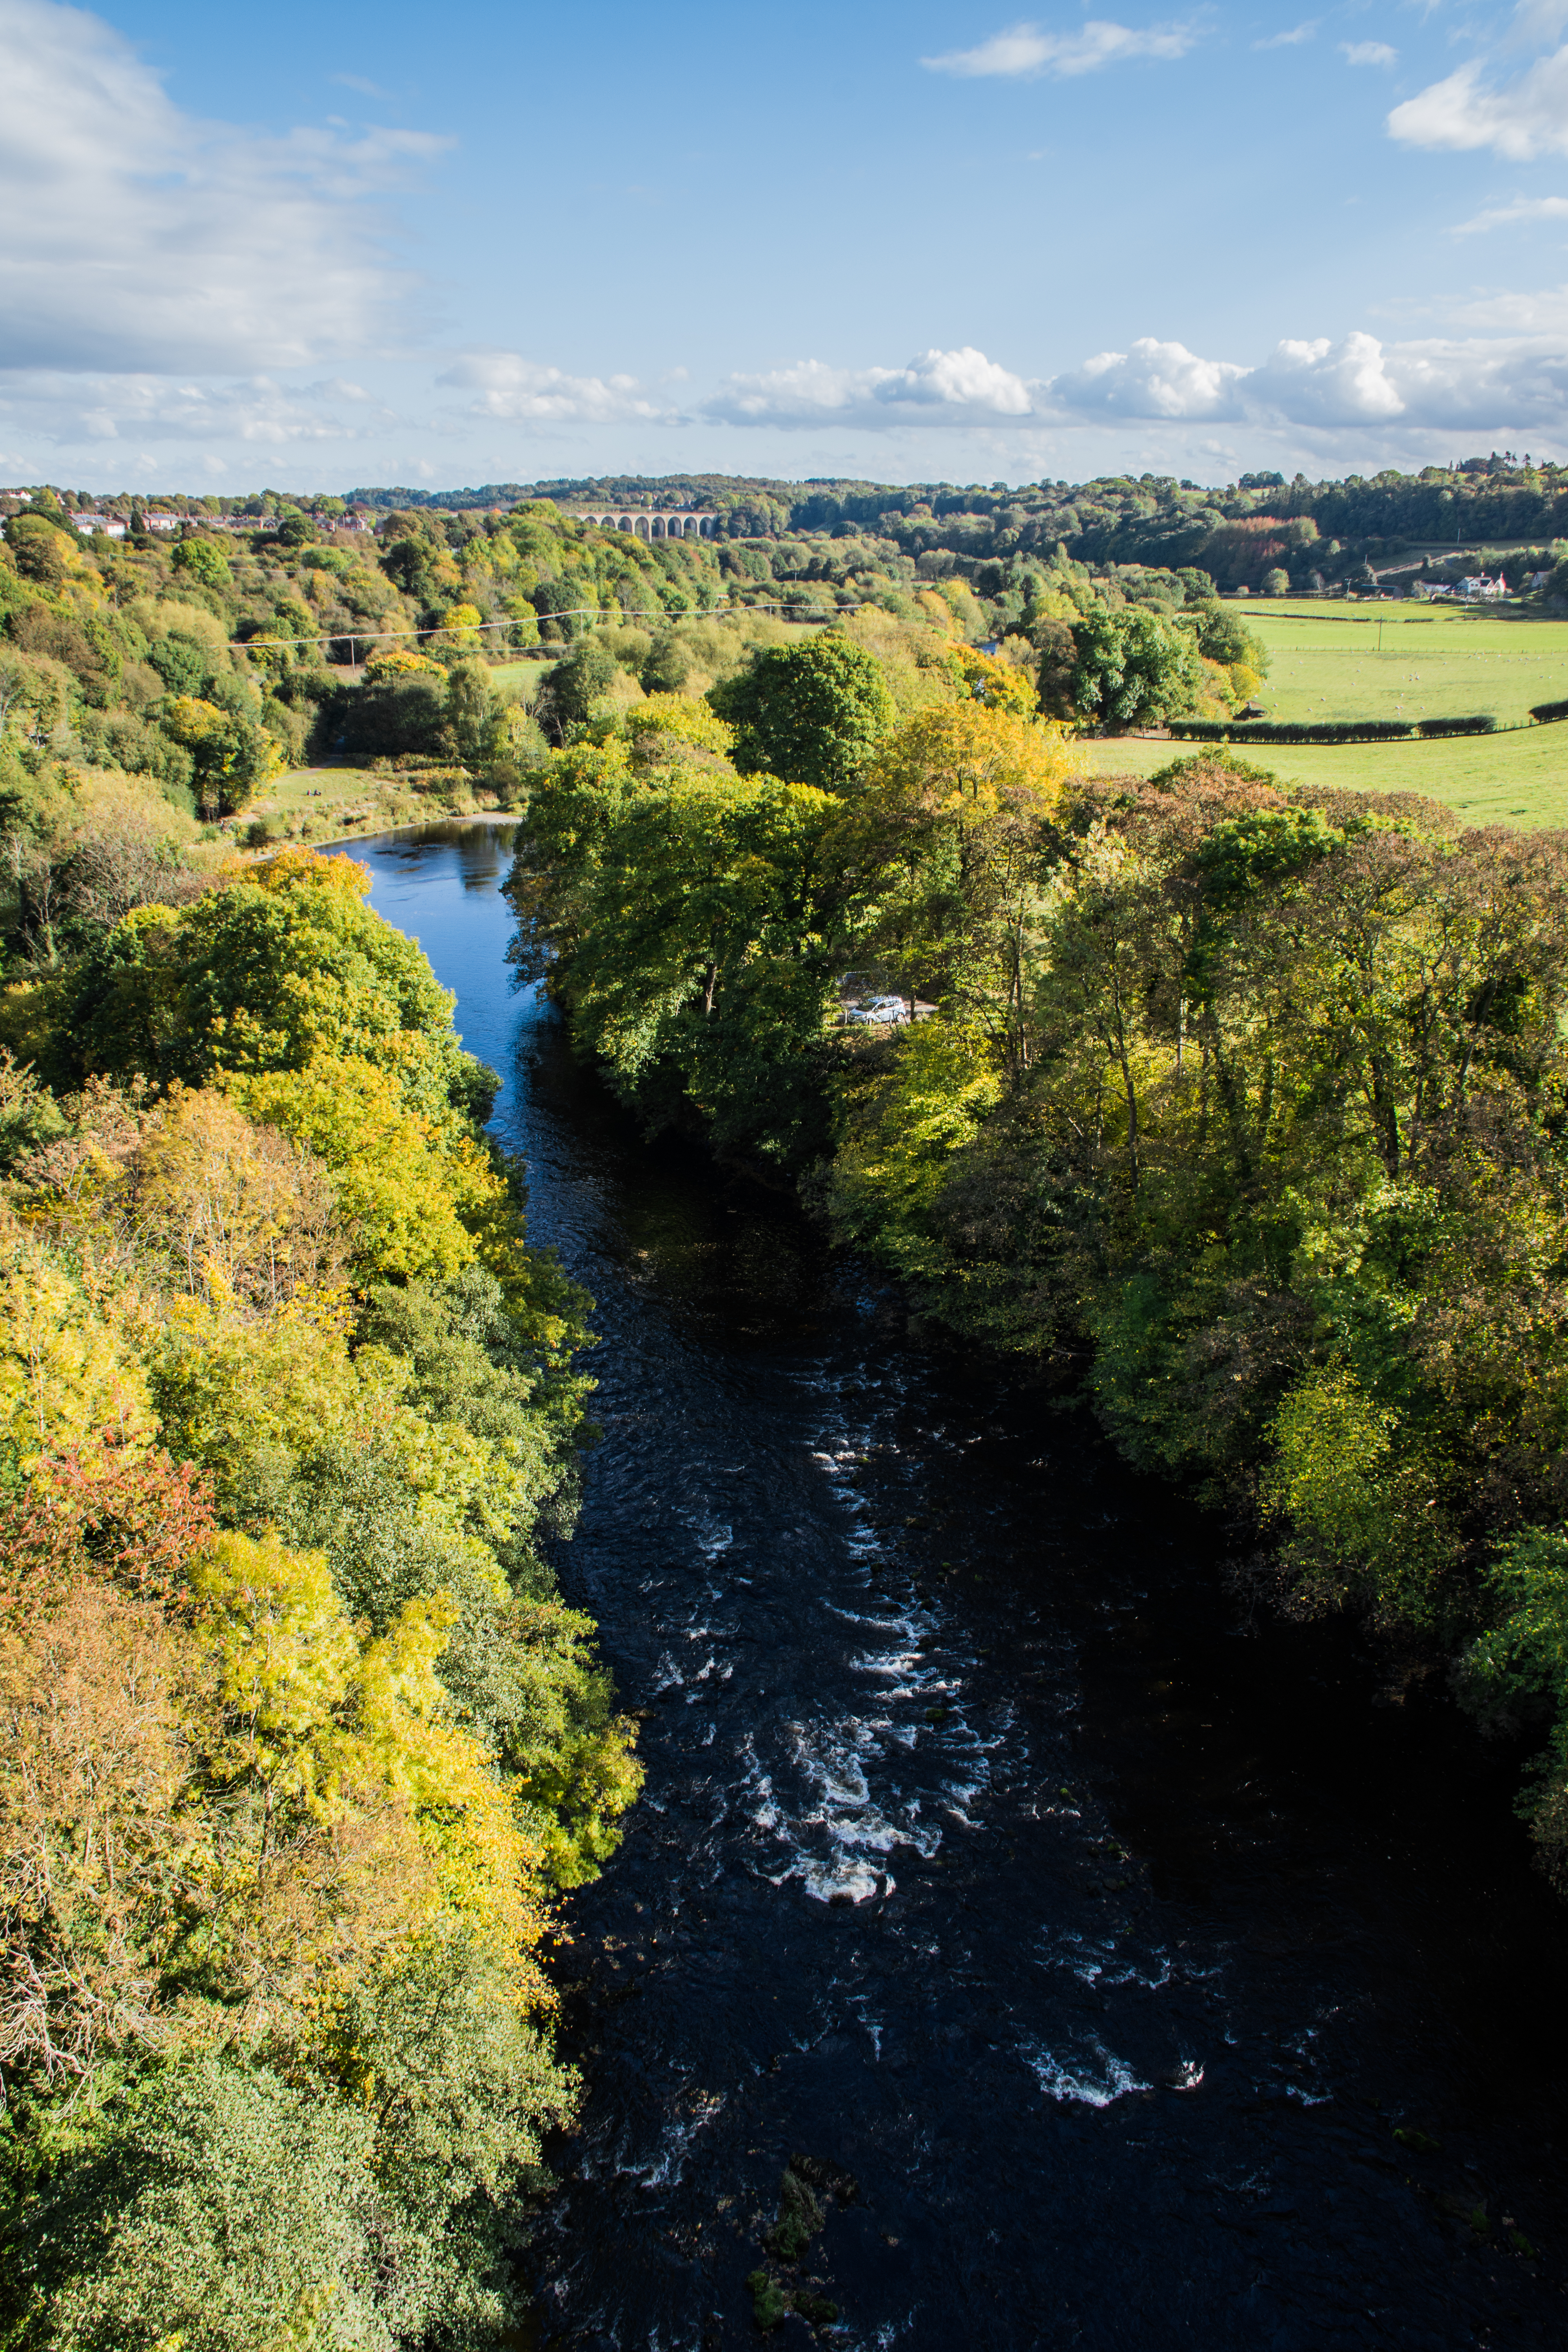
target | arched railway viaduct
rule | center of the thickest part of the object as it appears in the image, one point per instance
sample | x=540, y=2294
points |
x=689, y=523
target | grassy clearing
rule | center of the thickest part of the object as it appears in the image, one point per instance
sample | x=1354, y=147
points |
x=1518, y=780
x=522, y=679
x=1432, y=663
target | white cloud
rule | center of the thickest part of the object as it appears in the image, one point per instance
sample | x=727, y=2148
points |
x=935, y=388
x=68, y=409
x=1480, y=384
x=1025, y=51
x=1524, y=209
x=1310, y=384
x=138, y=237
x=521, y=391
x=1291, y=39
x=1527, y=117
x=1152, y=379
x=1324, y=382
x=1368, y=53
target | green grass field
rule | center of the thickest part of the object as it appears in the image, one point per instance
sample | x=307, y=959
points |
x=1406, y=661
x=1328, y=663
x=1518, y=780
x=522, y=679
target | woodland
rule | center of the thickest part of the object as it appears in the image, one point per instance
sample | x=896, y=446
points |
x=298, y=1745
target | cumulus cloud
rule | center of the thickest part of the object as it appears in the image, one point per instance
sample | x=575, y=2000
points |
x=1479, y=382
x=935, y=388
x=1025, y=51
x=1368, y=53
x=1525, y=118
x=521, y=391
x=1325, y=382
x=139, y=238
x=1151, y=379
x=1522, y=208
x=1292, y=39
x=1312, y=383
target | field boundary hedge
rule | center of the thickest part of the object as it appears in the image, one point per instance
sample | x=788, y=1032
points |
x=1354, y=730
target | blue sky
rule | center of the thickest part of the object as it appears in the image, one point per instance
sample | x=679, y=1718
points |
x=932, y=240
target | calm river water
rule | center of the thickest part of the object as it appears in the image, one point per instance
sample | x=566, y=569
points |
x=1103, y=1945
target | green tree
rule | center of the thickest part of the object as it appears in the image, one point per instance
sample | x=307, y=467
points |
x=576, y=687
x=1225, y=637
x=38, y=551
x=1132, y=668
x=233, y=752
x=668, y=664
x=285, y=964
x=203, y=560
x=476, y=722
x=814, y=712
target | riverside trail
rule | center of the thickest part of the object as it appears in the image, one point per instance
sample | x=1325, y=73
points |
x=1093, y=1947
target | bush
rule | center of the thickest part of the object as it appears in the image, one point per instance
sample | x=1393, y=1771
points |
x=1544, y=713
x=400, y=715
x=1480, y=723
x=1262, y=730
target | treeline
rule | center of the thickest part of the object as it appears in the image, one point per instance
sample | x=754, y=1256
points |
x=298, y=1742
x=1153, y=521
x=1241, y=1112
x=1329, y=534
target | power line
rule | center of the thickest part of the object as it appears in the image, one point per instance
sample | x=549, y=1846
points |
x=478, y=628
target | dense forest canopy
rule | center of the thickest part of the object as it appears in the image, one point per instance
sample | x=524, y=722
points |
x=298, y=1745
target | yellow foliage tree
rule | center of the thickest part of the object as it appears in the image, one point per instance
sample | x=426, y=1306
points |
x=66, y=1372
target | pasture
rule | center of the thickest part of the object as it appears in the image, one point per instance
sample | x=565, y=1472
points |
x=1406, y=661
x=1518, y=780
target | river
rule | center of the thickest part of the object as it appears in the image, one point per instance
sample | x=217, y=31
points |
x=1093, y=1947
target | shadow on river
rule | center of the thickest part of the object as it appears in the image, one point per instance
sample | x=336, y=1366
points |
x=1102, y=1945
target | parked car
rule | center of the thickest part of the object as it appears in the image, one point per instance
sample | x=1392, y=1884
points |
x=877, y=1008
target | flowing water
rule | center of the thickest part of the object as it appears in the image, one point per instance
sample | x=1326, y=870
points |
x=1093, y=1947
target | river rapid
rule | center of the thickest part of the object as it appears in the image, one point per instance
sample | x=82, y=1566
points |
x=1093, y=1947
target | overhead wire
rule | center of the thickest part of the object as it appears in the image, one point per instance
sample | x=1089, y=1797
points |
x=480, y=628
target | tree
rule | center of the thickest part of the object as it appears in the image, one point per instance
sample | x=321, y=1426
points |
x=233, y=754
x=1132, y=669
x=184, y=665
x=476, y=720
x=945, y=843
x=813, y=713
x=203, y=560
x=38, y=549
x=1225, y=637
x=575, y=687
x=283, y=964
x=668, y=664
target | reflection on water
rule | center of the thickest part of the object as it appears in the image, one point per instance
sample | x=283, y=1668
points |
x=980, y=1856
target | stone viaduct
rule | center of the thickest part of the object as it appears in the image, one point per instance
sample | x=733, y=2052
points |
x=689, y=523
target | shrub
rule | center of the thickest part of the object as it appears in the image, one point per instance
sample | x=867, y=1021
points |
x=1478, y=723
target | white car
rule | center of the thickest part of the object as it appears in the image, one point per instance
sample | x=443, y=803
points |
x=884, y=1008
